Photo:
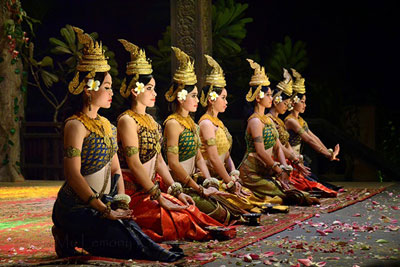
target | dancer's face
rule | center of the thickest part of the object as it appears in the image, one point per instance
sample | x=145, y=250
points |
x=102, y=98
x=191, y=102
x=148, y=97
x=301, y=105
x=221, y=103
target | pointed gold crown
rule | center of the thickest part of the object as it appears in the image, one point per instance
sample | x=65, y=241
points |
x=138, y=64
x=183, y=76
x=92, y=60
x=93, y=54
x=298, y=85
x=185, y=72
x=258, y=79
x=286, y=86
x=215, y=78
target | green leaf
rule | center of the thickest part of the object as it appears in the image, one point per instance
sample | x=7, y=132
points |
x=56, y=42
x=48, y=78
x=59, y=50
x=46, y=61
x=67, y=36
x=381, y=241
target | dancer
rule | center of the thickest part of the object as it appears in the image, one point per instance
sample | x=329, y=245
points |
x=91, y=210
x=298, y=127
x=259, y=170
x=162, y=216
x=280, y=103
x=217, y=142
x=183, y=148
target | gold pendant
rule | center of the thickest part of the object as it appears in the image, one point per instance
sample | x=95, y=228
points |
x=107, y=141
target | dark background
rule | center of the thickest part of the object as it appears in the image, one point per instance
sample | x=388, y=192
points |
x=352, y=49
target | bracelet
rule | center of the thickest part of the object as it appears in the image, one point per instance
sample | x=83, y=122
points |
x=120, y=205
x=93, y=196
x=156, y=194
x=175, y=189
x=211, y=182
x=296, y=162
x=107, y=211
x=155, y=186
x=231, y=186
x=122, y=197
x=234, y=173
x=274, y=165
x=201, y=191
x=286, y=168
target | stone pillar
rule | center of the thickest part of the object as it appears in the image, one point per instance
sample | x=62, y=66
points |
x=191, y=32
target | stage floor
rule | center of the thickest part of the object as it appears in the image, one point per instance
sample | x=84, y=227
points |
x=343, y=232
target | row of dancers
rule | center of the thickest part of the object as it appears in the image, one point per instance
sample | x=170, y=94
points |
x=135, y=185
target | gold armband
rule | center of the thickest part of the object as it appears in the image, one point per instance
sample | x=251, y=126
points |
x=129, y=151
x=301, y=131
x=258, y=139
x=71, y=152
x=211, y=142
x=173, y=149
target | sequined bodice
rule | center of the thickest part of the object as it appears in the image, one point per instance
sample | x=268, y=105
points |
x=269, y=136
x=149, y=137
x=295, y=138
x=100, y=146
x=223, y=138
x=281, y=128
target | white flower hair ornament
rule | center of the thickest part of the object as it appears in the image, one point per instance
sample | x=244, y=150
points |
x=139, y=88
x=290, y=107
x=261, y=95
x=93, y=85
x=213, y=95
x=278, y=99
x=182, y=95
x=296, y=99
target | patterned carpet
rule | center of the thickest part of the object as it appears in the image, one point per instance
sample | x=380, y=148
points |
x=25, y=224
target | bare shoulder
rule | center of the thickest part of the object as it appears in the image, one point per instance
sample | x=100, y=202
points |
x=74, y=127
x=126, y=121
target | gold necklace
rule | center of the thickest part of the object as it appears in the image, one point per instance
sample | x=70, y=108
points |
x=98, y=125
x=217, y=122
x=186, y=122
x=144, y=120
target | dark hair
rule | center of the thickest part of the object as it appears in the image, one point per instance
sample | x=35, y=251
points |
x=216, y=89
x=75, y=103
x=143, y=78
x=283, y=95
x=249, y=107
x=300, y=95
x=173, y=106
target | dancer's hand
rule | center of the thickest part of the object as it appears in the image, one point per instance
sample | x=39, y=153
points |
x=239, y=191
x=187, y=200
x=303, y=169
x=214, y=191
x=335, y=153
x=119, y=214
x=283, y=178
x=168, y=205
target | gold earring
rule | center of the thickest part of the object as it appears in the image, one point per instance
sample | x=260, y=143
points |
x=89, y=102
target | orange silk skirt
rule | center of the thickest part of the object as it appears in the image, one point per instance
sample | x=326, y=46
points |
x=161, y=224
x=300, y=182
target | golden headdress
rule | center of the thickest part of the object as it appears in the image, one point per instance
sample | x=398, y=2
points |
x=258, y=79
x=138, y=65
x=183, y=76
x=92, y=60
x=215, y=78
x=298, y=85
x=286, y=86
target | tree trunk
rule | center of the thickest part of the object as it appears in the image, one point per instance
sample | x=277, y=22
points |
x=11, y=108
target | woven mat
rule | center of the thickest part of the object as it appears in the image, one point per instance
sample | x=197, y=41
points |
x=25, y=228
